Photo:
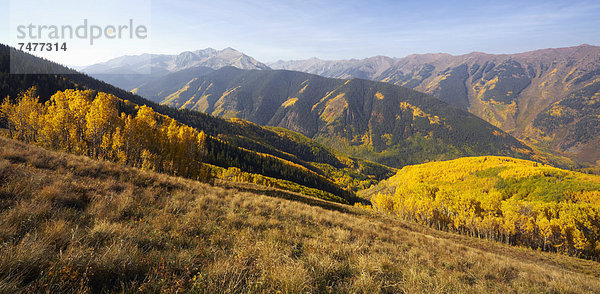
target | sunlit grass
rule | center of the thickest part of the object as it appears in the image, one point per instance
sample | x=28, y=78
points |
x=71, y=224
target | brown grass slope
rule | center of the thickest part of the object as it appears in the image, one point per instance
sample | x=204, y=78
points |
x=71, y=224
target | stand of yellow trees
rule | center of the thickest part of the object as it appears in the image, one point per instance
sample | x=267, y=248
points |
x=89, y=123
x=498, y=198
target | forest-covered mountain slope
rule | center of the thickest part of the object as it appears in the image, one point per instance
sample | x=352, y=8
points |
x=378, y=121
x=549, y=97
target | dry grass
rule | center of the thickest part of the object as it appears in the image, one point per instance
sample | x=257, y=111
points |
x=70, y=224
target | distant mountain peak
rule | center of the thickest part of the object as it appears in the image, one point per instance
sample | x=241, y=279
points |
x=130, y=71
x=208, y=57
x=229, y=49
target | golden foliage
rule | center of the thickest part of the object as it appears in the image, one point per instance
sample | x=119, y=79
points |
x=504, y=199
x=82, y=122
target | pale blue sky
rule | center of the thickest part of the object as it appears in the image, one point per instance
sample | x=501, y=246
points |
x=270, y=30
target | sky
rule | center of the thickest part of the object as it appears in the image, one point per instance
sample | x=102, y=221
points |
x=283, y=30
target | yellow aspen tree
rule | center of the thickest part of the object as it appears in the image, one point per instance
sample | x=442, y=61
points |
x=118, y=146
x=58, y=122
x=580, y=242
x=141, y=134
x=383, y=202
x=24, y=116
x=101, y=120
x=188, y=158
x=201, y=141
x=172, y=142
x=146, y=124
x=6, y=110
x=79, y=104
x=147, y=160
x=545, y=230
x=66, y=117
x=106, y=146
x=132, y=142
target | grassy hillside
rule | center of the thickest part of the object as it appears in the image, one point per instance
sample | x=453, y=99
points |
x=498, y=198
x=377, y=121
x=71, y=224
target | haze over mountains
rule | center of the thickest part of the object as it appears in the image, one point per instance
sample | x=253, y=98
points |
x=547, y=97
x=128, y=72
x=368, y=68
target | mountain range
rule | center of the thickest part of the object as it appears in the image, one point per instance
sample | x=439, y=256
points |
x=368, y=120
x=548, y=97
x=389, y=124
x=368, y=68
